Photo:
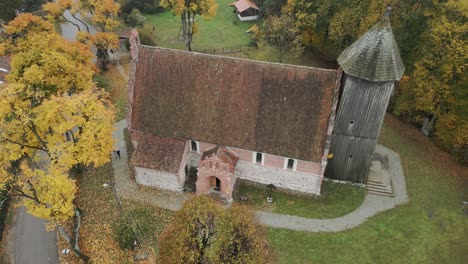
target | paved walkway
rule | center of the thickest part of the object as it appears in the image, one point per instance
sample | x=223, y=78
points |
x=371, y=206
x=30, y=243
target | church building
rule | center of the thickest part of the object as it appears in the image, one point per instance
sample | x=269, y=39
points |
x=233, y=118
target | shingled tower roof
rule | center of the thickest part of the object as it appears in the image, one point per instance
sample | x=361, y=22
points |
x=374, y=56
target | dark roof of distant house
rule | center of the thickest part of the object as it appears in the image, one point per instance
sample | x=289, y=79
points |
x=266, y=107
x=242, y=5
x=159, y=153
x=374, y=56
x=4, y=68
x=124, y=33
x=226, y=155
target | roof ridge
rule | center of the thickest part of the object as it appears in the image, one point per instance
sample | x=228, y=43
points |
x=238, y=59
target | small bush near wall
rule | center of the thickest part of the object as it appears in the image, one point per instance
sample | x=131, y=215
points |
x=102, y=82
x=134, y=224
x=129, y=146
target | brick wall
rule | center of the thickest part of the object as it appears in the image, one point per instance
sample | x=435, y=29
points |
x=306, y=178
x=160, y=179
x=274, y=161
x=286, y=179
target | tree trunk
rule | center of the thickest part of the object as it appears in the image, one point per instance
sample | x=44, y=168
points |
x=187, y=29
x=428, y=125
x=103, y=58
x=73, y=241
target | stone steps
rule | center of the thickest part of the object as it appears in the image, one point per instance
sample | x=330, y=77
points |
x=378, y=188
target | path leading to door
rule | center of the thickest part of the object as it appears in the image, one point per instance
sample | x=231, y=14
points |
x=372, y=205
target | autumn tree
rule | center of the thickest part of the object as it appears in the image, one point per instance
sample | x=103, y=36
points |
x=187, y=10
x=103, y=15
x=281, y=33
x=436, y=88
x=52, y=119
x=304, y=18
x=241, y=238
x=202, y=232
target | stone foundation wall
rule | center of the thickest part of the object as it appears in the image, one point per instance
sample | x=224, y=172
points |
x=286, y=179
x=159, y=179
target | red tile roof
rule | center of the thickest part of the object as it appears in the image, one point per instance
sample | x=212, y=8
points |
x=272, y=108
x=242, y=5
x=159, y=153
x=227, y=156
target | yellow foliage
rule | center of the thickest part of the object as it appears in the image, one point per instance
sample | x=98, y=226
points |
x=53, y=193
x=195, y=27
x=105, y=40
x=27, y=23
x=105, y=13
x=53, y=64
x=88, y=118
x=51, y=115
x=194, y=7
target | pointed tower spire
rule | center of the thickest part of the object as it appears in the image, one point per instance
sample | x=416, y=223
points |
x=374, y=56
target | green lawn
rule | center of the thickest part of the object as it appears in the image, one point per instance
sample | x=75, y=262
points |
x=431, y=228
x=335, y=200
x=214, y=33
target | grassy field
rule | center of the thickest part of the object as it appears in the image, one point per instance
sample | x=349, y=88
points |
x=431, y=228
x=335, y=200
x=214, y=33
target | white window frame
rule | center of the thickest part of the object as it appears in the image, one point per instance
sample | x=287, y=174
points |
x=197, y=144
x=254, y=158
x=285, y=165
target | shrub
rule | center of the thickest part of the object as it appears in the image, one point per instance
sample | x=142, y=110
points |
x=134, y=224
x=150, y=8
x=135, y=18
x=147, y=36
x=202, y=232
x=101, y=82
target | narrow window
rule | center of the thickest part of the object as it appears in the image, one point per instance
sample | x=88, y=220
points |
x=290, y=164
x=258, y=157
x=193, y=145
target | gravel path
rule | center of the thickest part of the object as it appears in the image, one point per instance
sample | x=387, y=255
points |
x=128, y=189
x=371, y=206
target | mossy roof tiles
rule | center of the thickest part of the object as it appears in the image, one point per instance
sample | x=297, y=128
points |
x=272, y=108
x=374, y=56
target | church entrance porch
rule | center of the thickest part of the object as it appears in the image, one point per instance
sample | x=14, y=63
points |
x=216, y=172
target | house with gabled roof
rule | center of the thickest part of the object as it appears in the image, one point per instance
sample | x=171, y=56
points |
x=270, y=123
x=246, y=10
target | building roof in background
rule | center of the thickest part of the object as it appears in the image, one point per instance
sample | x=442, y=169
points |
x=242, y=5
x=265, y=107
x=374, y=56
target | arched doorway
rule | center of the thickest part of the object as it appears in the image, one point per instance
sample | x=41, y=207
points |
x=216, y=172
x=215, y=184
